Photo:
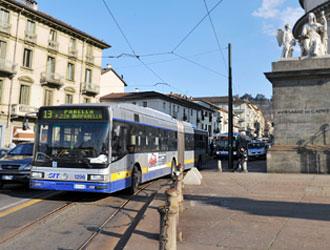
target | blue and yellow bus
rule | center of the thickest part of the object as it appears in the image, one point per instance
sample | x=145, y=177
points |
x=110, y=147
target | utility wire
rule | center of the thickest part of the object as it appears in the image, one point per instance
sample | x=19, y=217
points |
x=196, y=26
x=200, y=65
x=215, y=33
x=118, y=26
x=128, y=43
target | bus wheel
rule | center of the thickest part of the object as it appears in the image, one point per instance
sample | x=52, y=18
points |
x=136, y=180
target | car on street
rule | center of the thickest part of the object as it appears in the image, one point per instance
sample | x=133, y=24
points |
x=16, y=165
x=257, y=150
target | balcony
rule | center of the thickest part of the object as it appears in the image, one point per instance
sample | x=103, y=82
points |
x=7, y=68
x=5, y=27
x=53, y=80
x=73, y=52
x=90, y=59
x=91, y=89
x=53, y=45
x=30, y=37
x=22, y=110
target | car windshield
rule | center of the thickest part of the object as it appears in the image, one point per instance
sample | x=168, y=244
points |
x=223, y=144
x=73, y=144
x=22, y=149
x=256, y=145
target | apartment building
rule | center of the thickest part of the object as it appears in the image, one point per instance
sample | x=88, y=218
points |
x=43, y=61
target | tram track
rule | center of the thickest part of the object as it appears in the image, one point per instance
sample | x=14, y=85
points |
x=29, y=227
x=100, y=228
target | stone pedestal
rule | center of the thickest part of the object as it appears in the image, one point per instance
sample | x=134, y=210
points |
x=301, y=107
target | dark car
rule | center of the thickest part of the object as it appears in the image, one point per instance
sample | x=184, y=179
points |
x=257, y=150
x=16, y=165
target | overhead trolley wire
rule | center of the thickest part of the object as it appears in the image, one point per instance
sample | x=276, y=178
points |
x=196, y=26
x=215, y=34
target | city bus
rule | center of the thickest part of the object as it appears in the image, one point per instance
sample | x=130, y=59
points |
x=110, y=147
x=222, y=144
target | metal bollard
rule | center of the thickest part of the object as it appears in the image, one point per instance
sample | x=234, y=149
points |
x=172, y=198
x=245, y=170
x=219, y=166
x=163, y=213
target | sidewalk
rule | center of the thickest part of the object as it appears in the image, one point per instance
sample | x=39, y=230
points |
x=247, y=211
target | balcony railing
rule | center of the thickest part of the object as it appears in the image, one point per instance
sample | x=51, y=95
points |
x=51, y=79
x=5, y=27
x=30, y=37
x=73, y=52
x=7, y=68
x=23, y=110
x=91, y=89
x=90, y=59
x=53, y=45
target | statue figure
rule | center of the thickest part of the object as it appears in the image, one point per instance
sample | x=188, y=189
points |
x=312, y=38
x=325, y=32
x=286, y=40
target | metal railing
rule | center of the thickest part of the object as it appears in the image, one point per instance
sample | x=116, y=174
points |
x=53, y=44
x=90, y=59
x=7, y=66
x=91, y=88
x=5, y=27
x=23, y=110
x=30, y=37
x=73, y=51
x=51, y=79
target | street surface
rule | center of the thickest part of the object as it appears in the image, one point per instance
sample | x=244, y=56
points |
x=257, y=211
x=62, y=220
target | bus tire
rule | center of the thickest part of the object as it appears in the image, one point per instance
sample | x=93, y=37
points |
x=136, y=180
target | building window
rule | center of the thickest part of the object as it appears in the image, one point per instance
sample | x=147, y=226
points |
x=134, y=103
x=88, y=76
x=87, y=100
x=27, y=58
x=70, y=72
x=50, y=65
x=68, y=99
x=3, y=49
x=30, y=27
x=145, y=104
x=164, y=105
x=72, y=44
x=48, y=97
x=24, y=96
x=4, y=17
x=53, y=35
x=1, y=90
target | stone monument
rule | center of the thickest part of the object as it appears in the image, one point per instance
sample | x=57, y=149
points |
x=301, y=102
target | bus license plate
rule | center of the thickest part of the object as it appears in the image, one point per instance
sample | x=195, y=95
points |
x=79, y=186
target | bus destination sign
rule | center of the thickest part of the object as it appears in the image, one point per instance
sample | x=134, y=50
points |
x=72, y=114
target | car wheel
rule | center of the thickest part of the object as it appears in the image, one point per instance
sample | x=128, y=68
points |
x=136, y=180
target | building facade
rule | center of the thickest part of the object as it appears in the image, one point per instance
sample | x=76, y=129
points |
x=111, y=82
x=43, y=61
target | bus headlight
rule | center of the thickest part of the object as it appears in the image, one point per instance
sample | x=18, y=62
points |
x=37, y=175
x=96, y=177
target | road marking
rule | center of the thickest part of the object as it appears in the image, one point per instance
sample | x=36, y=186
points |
x=12, y=208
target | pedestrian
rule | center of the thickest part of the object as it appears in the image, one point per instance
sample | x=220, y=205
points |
x=242, y=158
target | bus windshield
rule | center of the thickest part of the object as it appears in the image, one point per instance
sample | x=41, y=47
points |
x=76, y=144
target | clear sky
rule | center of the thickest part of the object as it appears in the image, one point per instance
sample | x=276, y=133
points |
x=154, y=26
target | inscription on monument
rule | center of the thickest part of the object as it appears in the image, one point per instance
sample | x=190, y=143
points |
x=303, y=111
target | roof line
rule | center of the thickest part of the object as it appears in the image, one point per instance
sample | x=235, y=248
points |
x=67, y=27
